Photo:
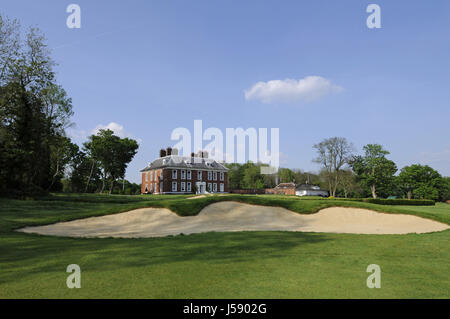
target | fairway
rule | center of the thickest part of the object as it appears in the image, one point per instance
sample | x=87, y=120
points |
x=270, y=264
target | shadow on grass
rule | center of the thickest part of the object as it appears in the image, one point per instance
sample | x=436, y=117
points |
x=25, y=254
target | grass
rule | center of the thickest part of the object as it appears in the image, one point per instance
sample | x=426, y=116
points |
x=217, y=265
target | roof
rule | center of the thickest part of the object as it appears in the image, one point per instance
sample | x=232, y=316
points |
x=309, y=187
x=285, y=185
x=175, y=161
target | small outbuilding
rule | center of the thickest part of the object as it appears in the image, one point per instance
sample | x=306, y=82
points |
x=310, y=190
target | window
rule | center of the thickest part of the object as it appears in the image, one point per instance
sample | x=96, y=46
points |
x=151, y=187
x=189, y=174
x=222, y=188
x=183, y=186
x=189, y=188
x=215, y=176
x=174, y=186
x=151, y=176
x=146, y=176
x=222, y=176
x=183, y=174
x=174, y=173
x=215, y=187
x=209, y=175
x=199, y=175
x=209, y=187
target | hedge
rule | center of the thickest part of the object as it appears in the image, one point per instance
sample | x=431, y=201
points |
x=411, y=202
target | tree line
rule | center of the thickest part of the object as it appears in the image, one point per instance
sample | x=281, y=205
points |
x=36, y=155
x=347, y=174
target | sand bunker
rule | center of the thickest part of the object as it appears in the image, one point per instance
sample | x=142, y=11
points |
x=233, y=216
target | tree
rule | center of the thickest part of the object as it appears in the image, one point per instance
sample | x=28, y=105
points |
x=235, y=175
x=252, y=177
x=111, y=153
x=82, y=176
x=34, y=111
x=333, y=154
x=286, y=175
x=62, y=151
x=348, y=183
x=421, y=181
x=373, y=169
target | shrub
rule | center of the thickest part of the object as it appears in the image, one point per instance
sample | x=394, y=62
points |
x=411, y=202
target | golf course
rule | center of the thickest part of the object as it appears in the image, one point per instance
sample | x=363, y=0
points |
x=217, y=264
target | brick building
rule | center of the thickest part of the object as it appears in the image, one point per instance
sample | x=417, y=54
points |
x=173, y=174
x=282, y=189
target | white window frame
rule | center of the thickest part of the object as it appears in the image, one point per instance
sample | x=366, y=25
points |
x=151, y=176
x=215, y=188
x=209, y=187
x=222, y=176
x=174, y=174
x=189, y=174
x=209, y=175
x=222, y=187
x=183, y=187
x=215, y=176
x=199, y=175
x=174, y=189
x=151, y=187
x=183, y=174
x=146, y=176
x=189, y=187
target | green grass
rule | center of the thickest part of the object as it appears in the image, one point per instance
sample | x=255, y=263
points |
x=217, y=265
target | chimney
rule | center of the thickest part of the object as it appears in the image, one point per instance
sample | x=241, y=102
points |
x=162, y=152
x=174, y=151
x=192, y=154
x=169, y=151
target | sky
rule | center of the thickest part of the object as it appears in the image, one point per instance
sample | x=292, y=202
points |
x=313, y=69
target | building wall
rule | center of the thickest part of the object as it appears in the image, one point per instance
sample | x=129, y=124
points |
x=151, y=179
x=281, y=191
x=167, y=180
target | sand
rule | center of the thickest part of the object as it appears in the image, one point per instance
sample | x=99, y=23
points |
x=233, y=216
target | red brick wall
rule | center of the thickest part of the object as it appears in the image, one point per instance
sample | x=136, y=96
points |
x=281, y=191
x=167, y=180
x=154, y=181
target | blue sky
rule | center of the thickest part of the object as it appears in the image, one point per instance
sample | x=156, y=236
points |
x=152, y=66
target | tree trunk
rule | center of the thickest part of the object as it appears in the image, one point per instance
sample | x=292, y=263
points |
x=409, y=194
x=123, y=185
x=54, y=176
x=372, y=188
x=111, y=187
x=90, y=176
x=103, y=183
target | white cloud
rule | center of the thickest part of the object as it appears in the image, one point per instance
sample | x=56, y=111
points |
x=290, y=90
x=118, y=130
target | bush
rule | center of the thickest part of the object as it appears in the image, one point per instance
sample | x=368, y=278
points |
x=411, y=202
